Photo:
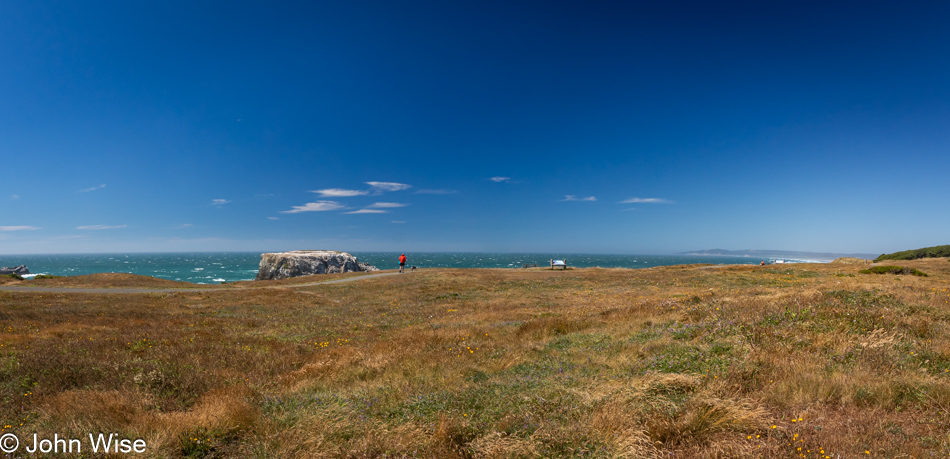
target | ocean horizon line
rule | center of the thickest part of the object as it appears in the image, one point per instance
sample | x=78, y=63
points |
x=218, y=267
x=697, y=253
x=346, y=251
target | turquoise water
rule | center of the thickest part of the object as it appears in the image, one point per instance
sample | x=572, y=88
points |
x=214, y=268
x=198, y=268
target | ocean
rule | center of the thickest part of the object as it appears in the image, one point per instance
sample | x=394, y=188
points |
x=214, y=268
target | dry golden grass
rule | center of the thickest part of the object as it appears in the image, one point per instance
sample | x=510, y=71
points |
x=852, y=261
x=299, y=280
x=686, y=361
x=9, y=279
x=108, y=280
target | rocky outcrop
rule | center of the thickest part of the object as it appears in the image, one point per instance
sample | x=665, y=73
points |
x=282, y=265
x=367, y=267
x=18, y=270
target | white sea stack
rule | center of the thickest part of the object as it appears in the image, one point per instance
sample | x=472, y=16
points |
x=282, y=265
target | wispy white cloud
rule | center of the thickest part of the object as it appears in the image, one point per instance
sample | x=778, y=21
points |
x=389, y=186
x=368, y=211
x=319, y=206
x=183, y=226
x=388, y=205
x=443, y=191
x=571, y=197
x=645, y=201
x=273, y=218
x=16, y=196
x=339, y=193
x=500, y=179
x=86, y=190
x=70, y=236
x=100, y=227
x=219, y=202
x=18, y=228
x=398, y=221
x=377, y=208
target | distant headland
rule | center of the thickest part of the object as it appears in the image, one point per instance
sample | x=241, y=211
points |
x=816, y=256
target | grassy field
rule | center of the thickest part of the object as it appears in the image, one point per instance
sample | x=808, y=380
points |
x=798, y=360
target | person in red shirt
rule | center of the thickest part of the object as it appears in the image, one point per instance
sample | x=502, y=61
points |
x=402, y=262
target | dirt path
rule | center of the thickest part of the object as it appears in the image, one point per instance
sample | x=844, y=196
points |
x=11, y=288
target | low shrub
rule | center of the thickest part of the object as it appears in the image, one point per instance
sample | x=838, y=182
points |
x=892, y=270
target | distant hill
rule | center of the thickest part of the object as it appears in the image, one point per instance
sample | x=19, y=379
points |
x=926, y=252
x=816, y=256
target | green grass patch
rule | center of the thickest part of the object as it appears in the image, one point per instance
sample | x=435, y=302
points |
x=689, y=359
x=893, y=270
x=598, y=342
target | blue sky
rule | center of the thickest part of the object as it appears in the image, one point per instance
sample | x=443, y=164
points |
x=620, y=127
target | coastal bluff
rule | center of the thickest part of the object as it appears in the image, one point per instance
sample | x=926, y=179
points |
x=281, y=265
